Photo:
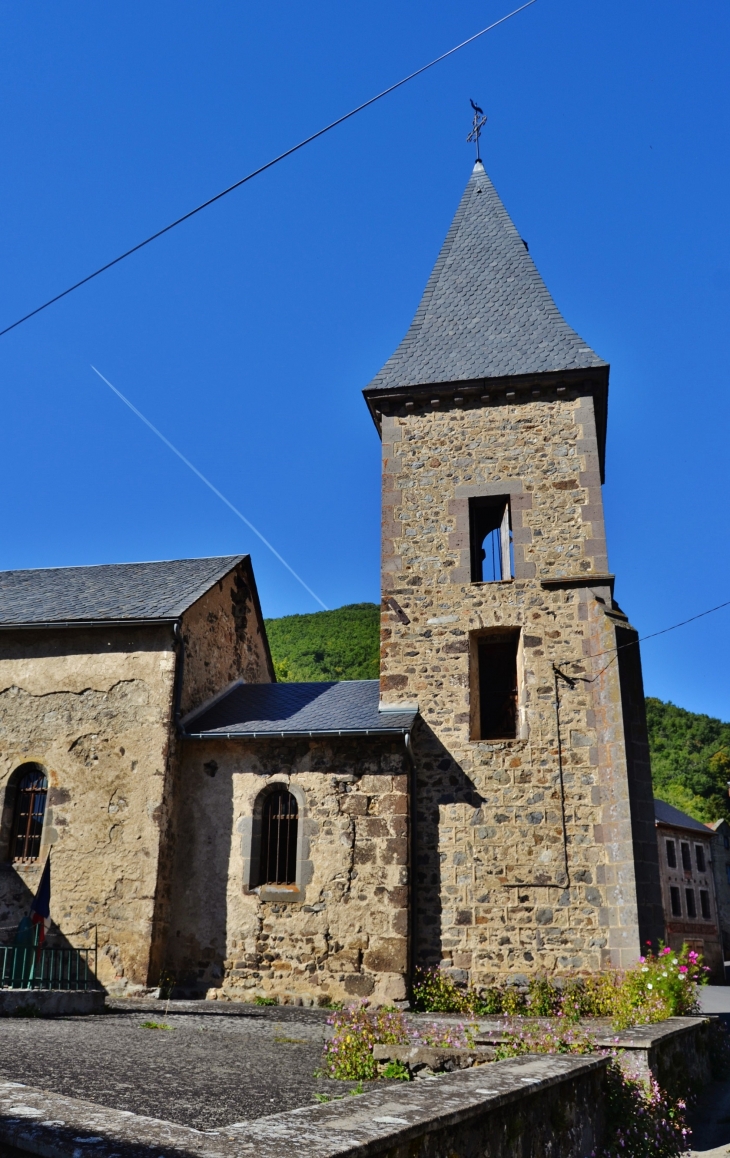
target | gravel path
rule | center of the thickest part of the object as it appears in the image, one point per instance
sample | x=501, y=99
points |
x=216, y=1065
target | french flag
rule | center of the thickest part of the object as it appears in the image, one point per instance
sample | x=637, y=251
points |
x=40, y=910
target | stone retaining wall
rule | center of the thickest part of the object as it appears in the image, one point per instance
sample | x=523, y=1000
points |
x=50, y=1002
x=522, y=1108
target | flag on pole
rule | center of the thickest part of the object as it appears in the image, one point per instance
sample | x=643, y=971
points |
x=40, y=910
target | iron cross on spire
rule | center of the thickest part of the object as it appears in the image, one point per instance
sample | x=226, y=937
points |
x=477, y=125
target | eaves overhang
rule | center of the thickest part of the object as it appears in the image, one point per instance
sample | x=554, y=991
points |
x=68, y=624
x=297, y=735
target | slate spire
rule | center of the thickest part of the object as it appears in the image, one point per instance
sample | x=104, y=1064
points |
x=485, y=312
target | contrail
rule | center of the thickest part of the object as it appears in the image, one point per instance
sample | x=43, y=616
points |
x=210, y=486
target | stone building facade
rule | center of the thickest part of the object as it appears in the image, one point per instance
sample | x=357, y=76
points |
x=95, y=664
x=687, y=856
x=721, y=878
x=485, y=807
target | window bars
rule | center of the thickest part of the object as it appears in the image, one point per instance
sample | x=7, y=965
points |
x=279, y=839
x=30, y=807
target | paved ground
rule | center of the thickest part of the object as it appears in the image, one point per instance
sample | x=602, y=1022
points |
x=715, y=998
x=218, y=1064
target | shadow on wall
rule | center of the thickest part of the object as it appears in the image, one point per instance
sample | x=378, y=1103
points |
x=57, y=965
x=441, y=783
x=203, y=831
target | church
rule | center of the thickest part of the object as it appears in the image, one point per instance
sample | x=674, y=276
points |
x=485, y=807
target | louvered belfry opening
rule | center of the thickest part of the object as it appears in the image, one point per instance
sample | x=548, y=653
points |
x=30, y=807
x=279, y=839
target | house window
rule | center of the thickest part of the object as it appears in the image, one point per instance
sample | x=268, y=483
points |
x=725, y=840
x=495, y=686
x=700, y=858
x=676, y=901
x=31, y=790
x=686, y=857
x=689, y=895
x=705, y=903
x=727, y=873
x=490, y=539
x=279, y=823
x=671, y=854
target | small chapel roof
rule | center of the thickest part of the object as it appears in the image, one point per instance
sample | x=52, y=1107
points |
x=485, y=312
x=349, y=707
x=109, y=592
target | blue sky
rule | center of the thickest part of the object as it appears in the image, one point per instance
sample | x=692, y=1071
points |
x=247, y=334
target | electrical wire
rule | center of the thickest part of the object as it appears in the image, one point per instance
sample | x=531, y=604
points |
x=262, y=168
x=209, y=484
x=633, y=643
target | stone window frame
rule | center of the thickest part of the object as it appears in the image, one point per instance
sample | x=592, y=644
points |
x=8, y=816
x=518, y=500
x=250, y=829
x=474, y=706
x=670, y=843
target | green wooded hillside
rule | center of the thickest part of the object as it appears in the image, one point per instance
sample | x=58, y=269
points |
x=690, y=760
x=327, y=645
x=690, y=753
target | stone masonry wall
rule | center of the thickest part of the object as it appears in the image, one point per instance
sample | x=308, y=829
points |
x=516, y=872
x=346, y=934
x=94, y=709
x=224, y=639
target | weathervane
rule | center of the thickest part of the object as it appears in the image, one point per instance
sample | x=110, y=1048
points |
x=477, y=125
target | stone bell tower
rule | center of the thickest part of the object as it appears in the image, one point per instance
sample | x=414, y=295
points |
x=533, y=845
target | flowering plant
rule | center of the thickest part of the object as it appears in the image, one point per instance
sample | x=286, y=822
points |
x=348, y=1055
x=642, y=1120
x=660, y=985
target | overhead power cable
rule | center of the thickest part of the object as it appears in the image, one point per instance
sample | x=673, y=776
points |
x=263, y=168
x=634, y=643
x=209, y=484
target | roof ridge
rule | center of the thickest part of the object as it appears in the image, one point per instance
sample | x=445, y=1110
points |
x=126, y=563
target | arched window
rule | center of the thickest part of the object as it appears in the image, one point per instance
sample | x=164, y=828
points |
x=29, y=806
x=279, y=822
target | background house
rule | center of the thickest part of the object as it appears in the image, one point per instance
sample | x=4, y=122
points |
x=688, y=869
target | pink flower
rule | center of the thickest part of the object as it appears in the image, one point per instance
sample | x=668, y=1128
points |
x=682, y=968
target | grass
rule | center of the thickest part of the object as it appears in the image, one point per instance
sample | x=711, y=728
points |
x=155, y=1025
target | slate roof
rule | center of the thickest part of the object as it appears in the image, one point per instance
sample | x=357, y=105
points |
x=260, y=710
x=668, y=814
x=109, y=592
x=485, y=312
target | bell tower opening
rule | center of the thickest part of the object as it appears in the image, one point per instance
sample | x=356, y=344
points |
x=490, y=538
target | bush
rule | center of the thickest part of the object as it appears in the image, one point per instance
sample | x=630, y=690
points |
x=660, y=985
